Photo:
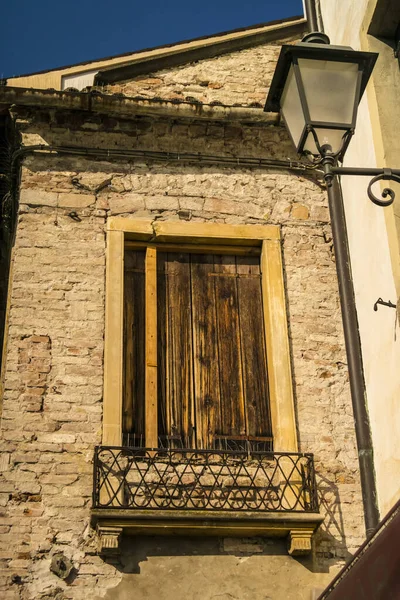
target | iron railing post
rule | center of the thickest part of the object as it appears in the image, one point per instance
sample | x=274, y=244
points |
x=95, y=478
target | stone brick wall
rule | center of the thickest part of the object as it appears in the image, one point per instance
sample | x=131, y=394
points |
x=211, y=81
x=53, y=386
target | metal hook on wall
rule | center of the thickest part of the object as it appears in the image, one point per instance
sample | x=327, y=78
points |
x=380, y=301
x=74, y=216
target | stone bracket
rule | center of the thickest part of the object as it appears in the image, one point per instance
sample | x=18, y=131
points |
x=299, y=542
x=108, y=539
x=297, y=528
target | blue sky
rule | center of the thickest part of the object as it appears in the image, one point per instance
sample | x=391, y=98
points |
x=43, y=34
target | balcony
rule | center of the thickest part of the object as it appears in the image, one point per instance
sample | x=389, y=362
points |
x=217, y=492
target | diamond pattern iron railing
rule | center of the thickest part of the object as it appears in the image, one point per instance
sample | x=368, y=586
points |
x=186, y=479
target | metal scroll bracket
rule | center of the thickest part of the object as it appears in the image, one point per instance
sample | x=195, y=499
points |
x=388, y=194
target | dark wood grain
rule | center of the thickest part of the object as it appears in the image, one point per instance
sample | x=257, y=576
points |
x=164, y=425
x=212, y=369
x=233, y=420
x=253, y=353
x=133, y=395
x=205, y=349
x=179, y=355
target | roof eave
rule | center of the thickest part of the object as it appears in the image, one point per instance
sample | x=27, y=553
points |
x=178, y=57
x=201, y=40
x=129, y=108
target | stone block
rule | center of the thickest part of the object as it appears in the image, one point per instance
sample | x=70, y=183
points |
x=38, y=197
x=4, y=461
x=75, y=200
x=300, y=211
x=320, y=213
x=56, y=438
x=125, y=203
x=162, y=203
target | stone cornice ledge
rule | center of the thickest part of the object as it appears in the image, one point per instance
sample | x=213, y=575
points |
x=128, y=108
x=297, y=527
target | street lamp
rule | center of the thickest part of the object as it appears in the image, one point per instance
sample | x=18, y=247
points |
x=317, y=88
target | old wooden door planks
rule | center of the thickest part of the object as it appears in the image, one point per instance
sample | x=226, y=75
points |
x=134, y=342
x=205, y=350
x=151, y=348
x=233, y=417
x=177, y=353
x=199, y=360
x=253, y=354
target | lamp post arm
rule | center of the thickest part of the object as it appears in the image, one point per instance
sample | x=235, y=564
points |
x=368, y=172
x=388, y=194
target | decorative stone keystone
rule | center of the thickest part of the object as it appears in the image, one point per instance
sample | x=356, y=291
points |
x=109, y=538
x=299, y=542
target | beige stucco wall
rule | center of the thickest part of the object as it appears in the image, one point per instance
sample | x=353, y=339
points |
x=373, y=246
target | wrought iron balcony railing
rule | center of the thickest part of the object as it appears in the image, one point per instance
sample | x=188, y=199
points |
x=202, y=480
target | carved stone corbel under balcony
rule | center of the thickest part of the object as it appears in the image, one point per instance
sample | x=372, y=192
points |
x=299, y=542
x=297, y=528
x=108, y=539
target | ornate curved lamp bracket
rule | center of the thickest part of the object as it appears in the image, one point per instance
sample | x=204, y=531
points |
x=386, y=175
x=388, y=194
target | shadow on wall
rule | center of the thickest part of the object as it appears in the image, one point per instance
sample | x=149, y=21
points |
x=330, y=539
x=136, y=550
x=161, y=134
x=210, y=568
x=274, y=144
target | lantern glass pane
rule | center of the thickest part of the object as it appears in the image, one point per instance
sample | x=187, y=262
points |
x=330, y=88
x=291, y=108
x=331, y=137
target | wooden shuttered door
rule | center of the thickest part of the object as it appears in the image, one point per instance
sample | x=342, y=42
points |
x=212, y=372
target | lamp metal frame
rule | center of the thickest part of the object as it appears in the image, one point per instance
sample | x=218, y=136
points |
x=289, y=56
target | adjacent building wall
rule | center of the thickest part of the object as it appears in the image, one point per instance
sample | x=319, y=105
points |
x=373, y=239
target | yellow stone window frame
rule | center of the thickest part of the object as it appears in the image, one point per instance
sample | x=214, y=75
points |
x=265, y=237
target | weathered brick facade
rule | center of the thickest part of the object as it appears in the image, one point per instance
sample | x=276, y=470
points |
x=210, y=81
x=52, y=413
